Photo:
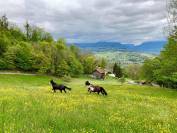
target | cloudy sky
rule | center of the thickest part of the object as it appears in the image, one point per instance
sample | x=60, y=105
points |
x=127, y=21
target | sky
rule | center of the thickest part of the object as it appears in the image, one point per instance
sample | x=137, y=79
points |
x=126, y=21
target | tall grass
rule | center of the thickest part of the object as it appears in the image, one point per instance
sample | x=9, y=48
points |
x=28, y=105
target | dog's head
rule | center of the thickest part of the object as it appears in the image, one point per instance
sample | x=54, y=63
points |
x=51, y=81
x=87, y=83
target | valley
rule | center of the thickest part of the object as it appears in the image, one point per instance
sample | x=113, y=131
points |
x=124, y=57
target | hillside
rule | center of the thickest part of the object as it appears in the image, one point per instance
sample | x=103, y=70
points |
x=27, y=104
x=124, y=58
x=151, y=47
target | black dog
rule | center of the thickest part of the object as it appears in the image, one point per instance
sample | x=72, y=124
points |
x=60, y=87
x=93, y=88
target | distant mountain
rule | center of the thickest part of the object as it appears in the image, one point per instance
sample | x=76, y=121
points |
x=153, y=47
x=103, y=46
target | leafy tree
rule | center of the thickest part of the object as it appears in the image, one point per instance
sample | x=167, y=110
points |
x=169, y=58
x=75, y=50
x=4, y=23
x=16, y=34
x=89, y=63
x=10, y=56
x=47, y=37
x=62, y=69
x=47, y=53
x=61, y=44
x=76, y=67
x=4, y=43
x=36, y=34
x=150, y=69
x=133, y=71
x=24, y=58
x=3, y=64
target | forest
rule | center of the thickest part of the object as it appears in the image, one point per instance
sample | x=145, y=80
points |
x=35, y=50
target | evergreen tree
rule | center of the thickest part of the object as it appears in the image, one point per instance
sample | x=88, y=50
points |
x=117, y=70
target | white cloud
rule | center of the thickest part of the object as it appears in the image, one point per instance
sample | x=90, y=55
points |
x=131, y=21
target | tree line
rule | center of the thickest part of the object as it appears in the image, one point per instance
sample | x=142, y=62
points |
x=35, y=50
x=163, y=69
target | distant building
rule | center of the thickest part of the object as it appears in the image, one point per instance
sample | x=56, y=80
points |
x=99, y=73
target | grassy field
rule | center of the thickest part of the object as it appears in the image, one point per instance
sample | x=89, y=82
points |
x=28, y=105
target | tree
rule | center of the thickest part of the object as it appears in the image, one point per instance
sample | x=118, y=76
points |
x=172, y=17
x=4, y=22
x=150, y=69
x=169, y=58
x=117, y=70
x=36, y=34
x=24, y=58
x=47, y=37
x=4, y=43
x=16, y=34
x=133, y=71
x=75, y=50
x=89, y=63
x=28, y=30
x=10, y=56
x=62, y=69
x=76, y=67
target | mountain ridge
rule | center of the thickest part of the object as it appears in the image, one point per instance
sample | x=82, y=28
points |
x=153, y=47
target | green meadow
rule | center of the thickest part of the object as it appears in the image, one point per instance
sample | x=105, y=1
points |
x=28, y=105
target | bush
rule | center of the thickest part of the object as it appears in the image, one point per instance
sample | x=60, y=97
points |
x=168, y=81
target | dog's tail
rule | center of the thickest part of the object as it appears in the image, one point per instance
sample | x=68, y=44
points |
x=103, y=91
x=68, y=88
